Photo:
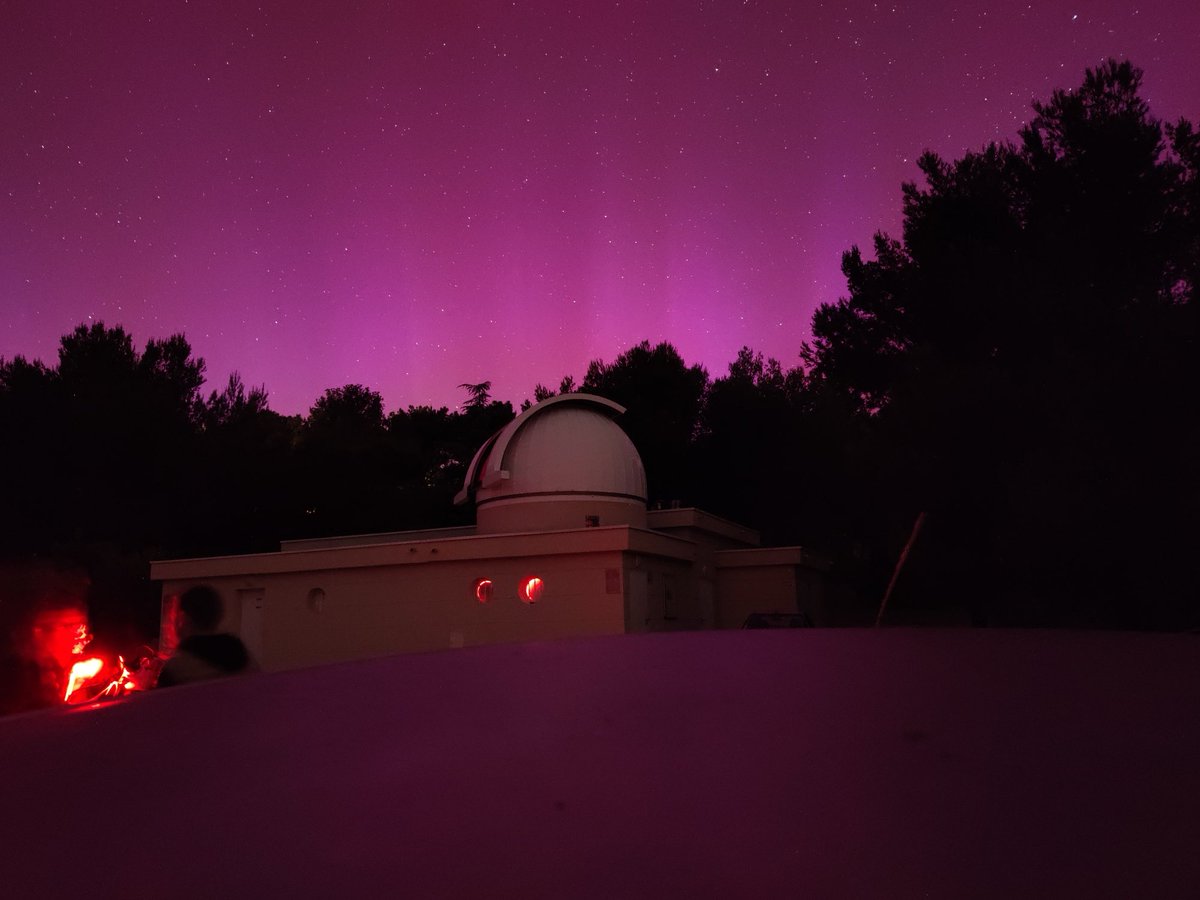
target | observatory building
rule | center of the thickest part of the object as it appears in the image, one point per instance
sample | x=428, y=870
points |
x=563, y=546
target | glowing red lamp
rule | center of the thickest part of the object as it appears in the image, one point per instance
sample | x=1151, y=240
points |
x=483, y=590
x=531, y=590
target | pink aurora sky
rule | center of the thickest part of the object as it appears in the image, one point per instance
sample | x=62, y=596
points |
x=414, y=195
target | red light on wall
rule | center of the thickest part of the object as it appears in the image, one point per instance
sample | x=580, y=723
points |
x=483, y=590
x=531, y=590
x=168, y=636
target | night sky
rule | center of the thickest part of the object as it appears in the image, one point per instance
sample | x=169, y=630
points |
x=414, y=195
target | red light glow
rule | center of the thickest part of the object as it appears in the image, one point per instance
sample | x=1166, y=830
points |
x=483, y=590
x=531, y=590
x=81, y=673
x=121, y=683
x=169, y=627
x=93, y=679
x=60, y=638
x=82, y=639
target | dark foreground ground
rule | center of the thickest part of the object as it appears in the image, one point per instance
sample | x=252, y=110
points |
x=798, y=763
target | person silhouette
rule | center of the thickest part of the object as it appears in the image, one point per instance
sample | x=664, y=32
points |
x=203, y=652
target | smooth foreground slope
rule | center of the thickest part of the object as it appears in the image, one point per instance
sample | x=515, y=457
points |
x=805, y=763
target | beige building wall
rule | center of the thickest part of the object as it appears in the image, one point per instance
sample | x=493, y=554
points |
x=345, y=598
x=663, y=595
x=768, y=580
x=329, y=604
x=326, y=616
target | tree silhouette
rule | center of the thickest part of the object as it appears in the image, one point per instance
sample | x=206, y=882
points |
x=103, y=472
x=343, y=456
x=233, y=402
x=32, y=430
x=478, y=395
x=663, y=397
x=247, y=475
x=1026, y=358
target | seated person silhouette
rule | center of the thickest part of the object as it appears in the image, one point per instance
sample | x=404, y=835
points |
x=203, y=652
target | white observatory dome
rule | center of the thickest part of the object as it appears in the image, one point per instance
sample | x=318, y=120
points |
x=563, y=463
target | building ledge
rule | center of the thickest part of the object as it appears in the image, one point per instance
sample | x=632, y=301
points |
x=769, y=556
x=691, y=517
x=613, y=538
x=381, y=537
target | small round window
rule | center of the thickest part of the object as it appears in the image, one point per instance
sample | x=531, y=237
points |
x=483, y=590
x=531, y=589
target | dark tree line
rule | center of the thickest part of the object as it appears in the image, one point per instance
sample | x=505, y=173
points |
x=113, y=457
x=1021, y=366
x=1026, y=359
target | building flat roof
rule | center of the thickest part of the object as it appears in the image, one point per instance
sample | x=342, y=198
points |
x=691, y=517
x=753, y=557
x=377, y=537
x=414, y=552
x=825, y=763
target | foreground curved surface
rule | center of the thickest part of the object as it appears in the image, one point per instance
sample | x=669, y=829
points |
x=763, y=763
